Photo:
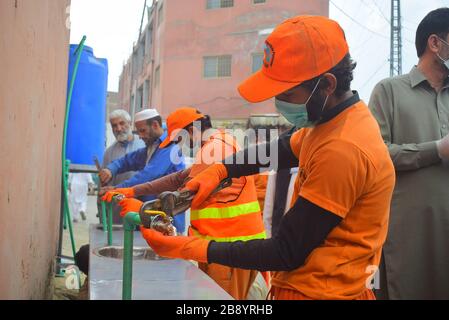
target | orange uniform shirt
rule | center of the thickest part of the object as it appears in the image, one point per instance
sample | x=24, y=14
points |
x=346, y=169
x=237, y=215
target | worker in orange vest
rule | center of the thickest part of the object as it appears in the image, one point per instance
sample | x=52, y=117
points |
x=230, y=215
x=329, y=243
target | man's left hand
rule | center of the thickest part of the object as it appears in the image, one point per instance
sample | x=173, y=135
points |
x=130, y=205
x=443, y=148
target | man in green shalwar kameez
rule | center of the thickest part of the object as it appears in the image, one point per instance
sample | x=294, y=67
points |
x=413, y=113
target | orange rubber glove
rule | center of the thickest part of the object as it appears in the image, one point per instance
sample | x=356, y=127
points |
x=130, y=205
x=206, y=182
x=180, y=247
x=127, y=192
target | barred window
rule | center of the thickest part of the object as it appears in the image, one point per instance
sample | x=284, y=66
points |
x=257, y=62
x=216, y=4
x=259, y=1
x=217, y=66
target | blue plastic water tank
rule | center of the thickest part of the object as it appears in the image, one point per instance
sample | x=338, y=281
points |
x=87, y=119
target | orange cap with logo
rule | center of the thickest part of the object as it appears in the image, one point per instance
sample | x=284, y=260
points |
x=177, y=121
x=298, y=50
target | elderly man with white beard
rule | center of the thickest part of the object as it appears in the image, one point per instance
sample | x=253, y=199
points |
x=126, y=142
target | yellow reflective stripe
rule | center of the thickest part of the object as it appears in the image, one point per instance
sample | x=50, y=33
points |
x=225, y=213
x=261, y=235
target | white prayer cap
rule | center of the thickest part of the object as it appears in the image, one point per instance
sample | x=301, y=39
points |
x=146, y=115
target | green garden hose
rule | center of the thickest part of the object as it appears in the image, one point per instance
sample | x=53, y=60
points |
x=65, y=166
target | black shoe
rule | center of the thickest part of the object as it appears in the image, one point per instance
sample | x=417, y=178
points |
x=83, y=215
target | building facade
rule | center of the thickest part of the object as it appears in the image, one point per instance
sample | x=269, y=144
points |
x=112, y=103
x=197, y=52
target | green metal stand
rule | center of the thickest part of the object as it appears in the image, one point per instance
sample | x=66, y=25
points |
x=68, y=218
x=129, y=224
x=107, y=216
x=103, y=216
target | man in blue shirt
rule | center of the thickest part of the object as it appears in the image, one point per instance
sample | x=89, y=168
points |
x=151, y=162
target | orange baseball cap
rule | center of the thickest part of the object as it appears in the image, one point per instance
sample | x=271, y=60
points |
x=177, y=121
x=298, y=50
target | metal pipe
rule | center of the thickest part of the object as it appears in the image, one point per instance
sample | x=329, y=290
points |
x=129, y=223
x=64, y=215
x=103, y=216
x=110, y=212
x=59, y=272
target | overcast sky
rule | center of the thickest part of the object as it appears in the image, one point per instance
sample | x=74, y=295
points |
x=112, y=26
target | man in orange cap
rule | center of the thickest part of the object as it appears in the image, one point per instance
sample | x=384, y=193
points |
x=230, y=215
x=330, y=241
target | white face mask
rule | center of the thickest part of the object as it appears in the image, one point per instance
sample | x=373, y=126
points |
x=445, y=62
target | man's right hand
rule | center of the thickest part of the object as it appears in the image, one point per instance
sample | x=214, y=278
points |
x=205, y=183
x=126, y=192
x=104, y=190
x=105, y=176
x=443, y=148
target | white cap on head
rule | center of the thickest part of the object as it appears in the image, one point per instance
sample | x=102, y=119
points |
x=146, y=115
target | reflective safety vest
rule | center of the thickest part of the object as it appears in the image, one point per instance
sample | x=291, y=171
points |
x=232, y=214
